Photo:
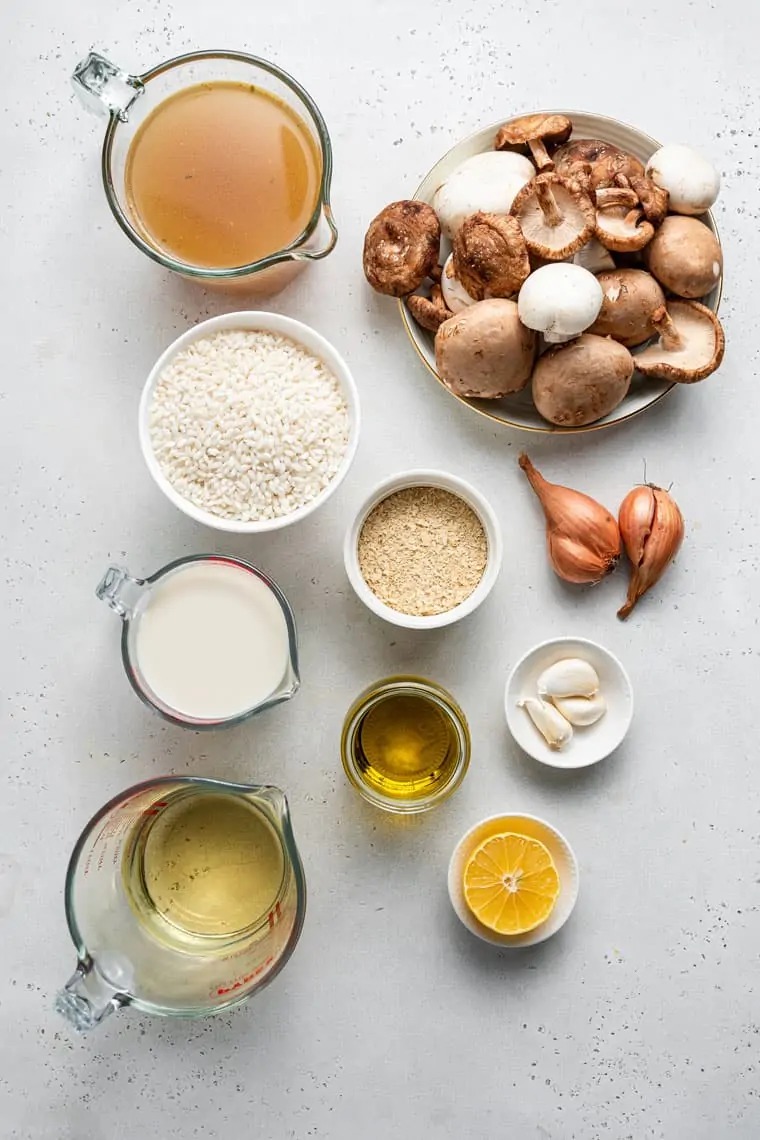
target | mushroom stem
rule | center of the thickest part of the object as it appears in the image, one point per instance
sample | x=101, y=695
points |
x=540, y=154
x=632, y=218
x=580, y=174
x=548, y=204
x=616, y=196
x=664, y=326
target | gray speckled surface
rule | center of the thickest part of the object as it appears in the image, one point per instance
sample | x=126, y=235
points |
x=641, y=1019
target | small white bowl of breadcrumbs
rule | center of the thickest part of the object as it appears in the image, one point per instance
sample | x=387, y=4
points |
x=424, y=550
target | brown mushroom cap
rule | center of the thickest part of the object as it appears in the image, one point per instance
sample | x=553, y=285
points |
x=631, y=296
x=485, y=351
x=685, y=256
x=555, y=216
x=582, y=381
x=490, y=257
x=535, y=132
x=620, y=227
x=690, y=346
x=429, y=312
x=605, y=161
x=401, y=247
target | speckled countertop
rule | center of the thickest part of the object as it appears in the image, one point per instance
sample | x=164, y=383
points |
x=641, y=1020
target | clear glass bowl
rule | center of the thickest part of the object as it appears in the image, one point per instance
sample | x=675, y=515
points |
x=457, y=760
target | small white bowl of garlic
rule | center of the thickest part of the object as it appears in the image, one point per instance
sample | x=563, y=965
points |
x=569, y=702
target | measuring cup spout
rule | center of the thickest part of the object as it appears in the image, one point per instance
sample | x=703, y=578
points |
x=276, y=800
x=87, y=998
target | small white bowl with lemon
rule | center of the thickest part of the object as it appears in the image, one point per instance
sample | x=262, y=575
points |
x=513, y=880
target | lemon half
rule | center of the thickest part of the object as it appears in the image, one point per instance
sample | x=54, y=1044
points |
x=511, y=883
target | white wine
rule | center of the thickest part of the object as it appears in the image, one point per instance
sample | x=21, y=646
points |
x=209, y=866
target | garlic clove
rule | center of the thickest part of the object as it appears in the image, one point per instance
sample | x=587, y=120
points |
x=556, y=731
x=582, y=711
x=571, y=677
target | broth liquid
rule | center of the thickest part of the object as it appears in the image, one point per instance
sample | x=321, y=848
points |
x=222, y=174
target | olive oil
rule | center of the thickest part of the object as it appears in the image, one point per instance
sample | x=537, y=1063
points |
x=207, y=867
x=404, y=747
x=405, y=744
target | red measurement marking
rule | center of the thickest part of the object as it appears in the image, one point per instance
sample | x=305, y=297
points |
x=240, y=982
x=155, y=808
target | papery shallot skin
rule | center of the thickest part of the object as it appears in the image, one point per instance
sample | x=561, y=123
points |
x=582, y=536
x=652, y=530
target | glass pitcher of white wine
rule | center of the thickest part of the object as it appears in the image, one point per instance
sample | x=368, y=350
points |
x=184, y=896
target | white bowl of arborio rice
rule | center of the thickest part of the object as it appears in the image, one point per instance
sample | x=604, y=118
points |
x=249, y=422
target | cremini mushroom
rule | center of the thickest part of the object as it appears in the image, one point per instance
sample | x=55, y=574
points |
x=594, y=257
x=490, y=256
x=631, y=296
x=429, y=312
x=599, y=161
x=485, y=351
x=454, y=293
x=690, y=179
x=534, y=132
x=560, y=301
x=401, y=247
x=685, y=256
x=577, y=383
x=486, y=182
x=555, y=215
x=619, y=221
x=690, y=345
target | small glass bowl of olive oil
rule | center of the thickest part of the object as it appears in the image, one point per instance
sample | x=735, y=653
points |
x=405, y=744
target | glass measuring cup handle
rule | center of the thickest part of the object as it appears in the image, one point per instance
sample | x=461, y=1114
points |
x=87, y=998
x=119, y=590
x=105, y=88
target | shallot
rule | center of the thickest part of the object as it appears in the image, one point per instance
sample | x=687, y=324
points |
x=582, y=536
x=651, y=526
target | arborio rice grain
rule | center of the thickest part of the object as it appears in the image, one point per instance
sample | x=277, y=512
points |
x=248, y=425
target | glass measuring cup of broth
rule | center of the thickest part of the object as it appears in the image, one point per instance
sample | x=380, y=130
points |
x=207, y=641
x=184, y=896
x=217, y=165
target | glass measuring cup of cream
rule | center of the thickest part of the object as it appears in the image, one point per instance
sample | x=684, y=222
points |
x=217, y=165
x=207, y=641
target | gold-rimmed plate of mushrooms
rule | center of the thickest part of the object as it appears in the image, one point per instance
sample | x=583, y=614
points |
x=542, y=255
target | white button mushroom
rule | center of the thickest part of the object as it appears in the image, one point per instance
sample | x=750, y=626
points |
x=454, y=293
x=594, y=257
x=690, y=179
x=560, y=301
x=487, y=182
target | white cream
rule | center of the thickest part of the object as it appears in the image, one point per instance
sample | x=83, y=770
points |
x=212, y=641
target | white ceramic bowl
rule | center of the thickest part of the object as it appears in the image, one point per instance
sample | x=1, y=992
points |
x=456, y=486
x=588, y=745
x=564, y=860
x=518, y=411
x=260, y=322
